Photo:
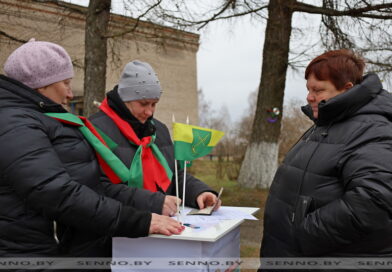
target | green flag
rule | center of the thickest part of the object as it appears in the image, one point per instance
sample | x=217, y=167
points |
x=192, y=142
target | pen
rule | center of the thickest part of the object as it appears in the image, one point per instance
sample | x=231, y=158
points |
x=191, y=226
x=219, y=195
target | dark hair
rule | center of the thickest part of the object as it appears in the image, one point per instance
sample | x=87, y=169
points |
x=337, y=66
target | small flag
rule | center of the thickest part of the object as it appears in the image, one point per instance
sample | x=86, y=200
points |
x=192, y=142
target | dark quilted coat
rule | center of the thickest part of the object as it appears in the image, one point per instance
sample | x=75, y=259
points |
x=332, y=195
x=48, y=172
x=126, y=151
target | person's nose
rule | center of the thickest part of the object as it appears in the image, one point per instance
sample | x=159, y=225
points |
x=149, y=111
x=310, y=97
x=70, y=94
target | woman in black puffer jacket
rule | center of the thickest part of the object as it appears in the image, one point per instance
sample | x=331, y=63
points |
x=49, y=172
x=130, y=106
x=332, y=196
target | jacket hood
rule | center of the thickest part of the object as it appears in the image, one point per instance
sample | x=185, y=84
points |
x=368, y=97
x=14, y=94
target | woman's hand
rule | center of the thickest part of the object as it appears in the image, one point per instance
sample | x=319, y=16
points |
x=170, y=205
x=161, y=224
x=207, y=199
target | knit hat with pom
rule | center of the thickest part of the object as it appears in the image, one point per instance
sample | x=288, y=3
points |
x=138, y=81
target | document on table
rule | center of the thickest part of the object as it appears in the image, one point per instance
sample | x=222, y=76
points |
x=227, y=213
x=223, y=213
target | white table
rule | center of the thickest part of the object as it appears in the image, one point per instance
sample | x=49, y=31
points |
x=219, y=241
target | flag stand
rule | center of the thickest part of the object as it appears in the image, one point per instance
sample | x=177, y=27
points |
x=177, y=193
x=183, y=193
x=184, y=183
x=176, y=175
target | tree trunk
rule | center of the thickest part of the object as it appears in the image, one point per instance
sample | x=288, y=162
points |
x=95, y=54
x=261, y=157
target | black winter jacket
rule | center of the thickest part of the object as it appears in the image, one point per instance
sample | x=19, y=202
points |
x=48, y=172
x=126, y=151
x=332, y=196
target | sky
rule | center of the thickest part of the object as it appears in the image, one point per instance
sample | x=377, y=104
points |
x=229, y=64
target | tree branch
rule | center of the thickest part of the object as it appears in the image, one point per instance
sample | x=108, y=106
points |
x=136, y=23
x=223, y=9
x=2, y=33
x=188, y=23
x=380, y=64
x=356, y=12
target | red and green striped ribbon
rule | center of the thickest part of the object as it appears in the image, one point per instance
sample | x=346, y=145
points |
x=113, y=167
x=148, y=165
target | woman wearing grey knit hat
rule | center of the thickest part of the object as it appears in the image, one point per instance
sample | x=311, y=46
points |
x=49, y=171
x=142, y=142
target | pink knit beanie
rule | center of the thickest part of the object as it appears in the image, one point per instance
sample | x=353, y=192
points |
x=38, y=64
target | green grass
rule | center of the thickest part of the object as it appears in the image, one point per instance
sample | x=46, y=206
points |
x=234, y=195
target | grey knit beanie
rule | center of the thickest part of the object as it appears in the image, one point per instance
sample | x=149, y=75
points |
x=139, y=81
x=38, y=64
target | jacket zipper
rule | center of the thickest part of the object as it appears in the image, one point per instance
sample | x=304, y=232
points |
x=311, y=133
x=324, y=134
x=303, y=175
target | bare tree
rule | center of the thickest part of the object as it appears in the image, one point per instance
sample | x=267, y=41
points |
x=261, y=157
x=97, y=21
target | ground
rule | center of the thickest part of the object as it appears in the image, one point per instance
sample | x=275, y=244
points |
x=235, y=195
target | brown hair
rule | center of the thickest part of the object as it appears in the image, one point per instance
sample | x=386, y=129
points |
x=337, y=66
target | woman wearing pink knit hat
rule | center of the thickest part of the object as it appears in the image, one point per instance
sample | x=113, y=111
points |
x=49, y=171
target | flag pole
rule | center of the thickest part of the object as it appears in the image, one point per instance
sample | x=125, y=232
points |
x=176, y=175
x=183, y=192
x=184, y=182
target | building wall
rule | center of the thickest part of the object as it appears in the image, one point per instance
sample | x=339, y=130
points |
x=172, y=53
